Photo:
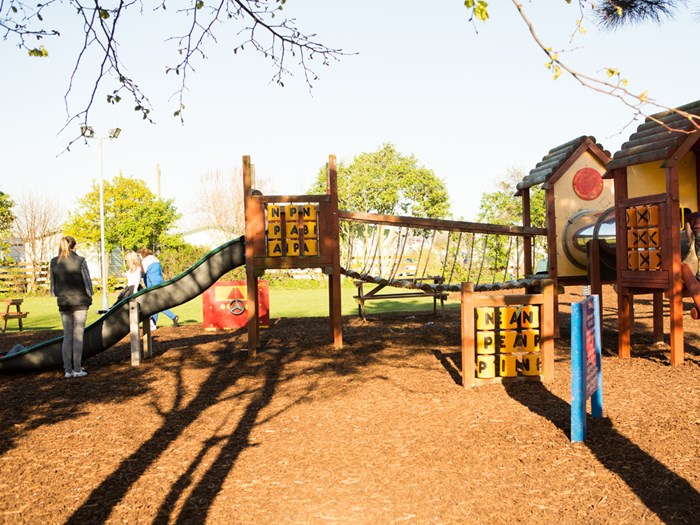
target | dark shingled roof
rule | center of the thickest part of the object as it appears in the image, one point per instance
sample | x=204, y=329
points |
x=555, y=159
x=653, y=141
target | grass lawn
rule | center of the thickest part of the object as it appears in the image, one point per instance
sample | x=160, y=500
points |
x=284, y=302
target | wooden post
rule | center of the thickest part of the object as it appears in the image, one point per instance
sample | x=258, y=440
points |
x=547, y=320
x=624, y=299
x=254, y=234
x=552, y=266
x=671, y=222
x=527, y=240
x=253, y=309
x=467, y=318
x=658, y=304
x=134, y=331
x=334, y=293
x=624, y=307
x=594, y=274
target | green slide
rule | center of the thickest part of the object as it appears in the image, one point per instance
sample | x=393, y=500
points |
x=114, y=325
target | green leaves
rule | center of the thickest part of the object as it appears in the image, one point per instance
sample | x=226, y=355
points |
x=40, y=52
x=199, y=4
x=144, y=111
x=134, y=216
x=614, y=72
x=553, y=64
x=479, y=9
x=6, y=215
x=104, y=14
x=501, y=207
x=387, y=182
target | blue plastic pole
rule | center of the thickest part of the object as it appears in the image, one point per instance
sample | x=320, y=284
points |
x=578, y=374
x=597, y=397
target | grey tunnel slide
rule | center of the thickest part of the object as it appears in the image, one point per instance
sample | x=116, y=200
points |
x=114, y=325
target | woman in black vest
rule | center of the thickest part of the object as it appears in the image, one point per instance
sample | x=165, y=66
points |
x=72, y=287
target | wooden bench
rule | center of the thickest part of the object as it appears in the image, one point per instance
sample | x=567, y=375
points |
x=373, y=294
x=17, y=314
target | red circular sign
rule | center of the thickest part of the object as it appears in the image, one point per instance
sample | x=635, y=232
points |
x=588, y=184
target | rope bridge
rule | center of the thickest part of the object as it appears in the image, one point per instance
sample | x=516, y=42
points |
x=437, y=256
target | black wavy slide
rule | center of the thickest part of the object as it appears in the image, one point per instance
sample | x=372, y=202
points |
x=114, y=325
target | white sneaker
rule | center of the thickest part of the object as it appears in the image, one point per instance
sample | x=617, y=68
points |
x=153, y=326
x=69, y=374
x=81, y=373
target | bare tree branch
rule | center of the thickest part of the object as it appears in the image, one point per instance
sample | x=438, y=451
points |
x=103, y=19
x=37, y=220
x=220, y=202
x=639, y=102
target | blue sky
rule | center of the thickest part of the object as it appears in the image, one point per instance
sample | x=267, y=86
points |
x=467, y=104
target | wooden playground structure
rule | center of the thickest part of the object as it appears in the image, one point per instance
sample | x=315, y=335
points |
x=292, y=231
x=576, y=196
x=656, y=176
x=304, y=231
x=587, y=192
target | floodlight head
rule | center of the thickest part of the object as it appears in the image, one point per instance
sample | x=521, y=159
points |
x=114, y=133
x=87, y=132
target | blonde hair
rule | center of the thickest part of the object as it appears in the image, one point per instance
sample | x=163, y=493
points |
x=65, y=247
x=132, y=260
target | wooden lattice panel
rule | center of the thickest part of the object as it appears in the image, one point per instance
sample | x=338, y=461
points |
x=643, y=238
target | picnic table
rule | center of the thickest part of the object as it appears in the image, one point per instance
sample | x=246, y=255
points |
x=9, y=314
x=373, y=294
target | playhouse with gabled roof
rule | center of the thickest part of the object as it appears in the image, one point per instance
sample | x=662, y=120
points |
x=655, y=177
x=576, y=195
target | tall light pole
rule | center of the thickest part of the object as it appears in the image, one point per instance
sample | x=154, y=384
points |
x=89, y=133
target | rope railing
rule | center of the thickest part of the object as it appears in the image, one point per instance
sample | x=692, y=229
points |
x=437, y=288
x=438, y=255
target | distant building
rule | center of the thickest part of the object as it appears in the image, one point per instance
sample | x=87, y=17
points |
x=20, y=253
x=207, y=236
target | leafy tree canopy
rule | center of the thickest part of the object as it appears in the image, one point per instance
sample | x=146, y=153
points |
x=387, y=182
x=134, y=216
x=6, y=219
x=6, y=215
x=502, y=207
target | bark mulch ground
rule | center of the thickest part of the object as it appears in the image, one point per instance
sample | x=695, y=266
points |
x=379, y=432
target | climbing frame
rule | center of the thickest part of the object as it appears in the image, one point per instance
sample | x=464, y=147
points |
x=292, y=231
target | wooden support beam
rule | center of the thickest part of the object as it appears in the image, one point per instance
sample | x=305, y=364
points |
x=467, y=322
x=548, y=318
x=594, y=276
x=671, y=230
x=624, y=310
x=527, y=241
x=255, y=244
x=334, y=293
x=658, y=305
